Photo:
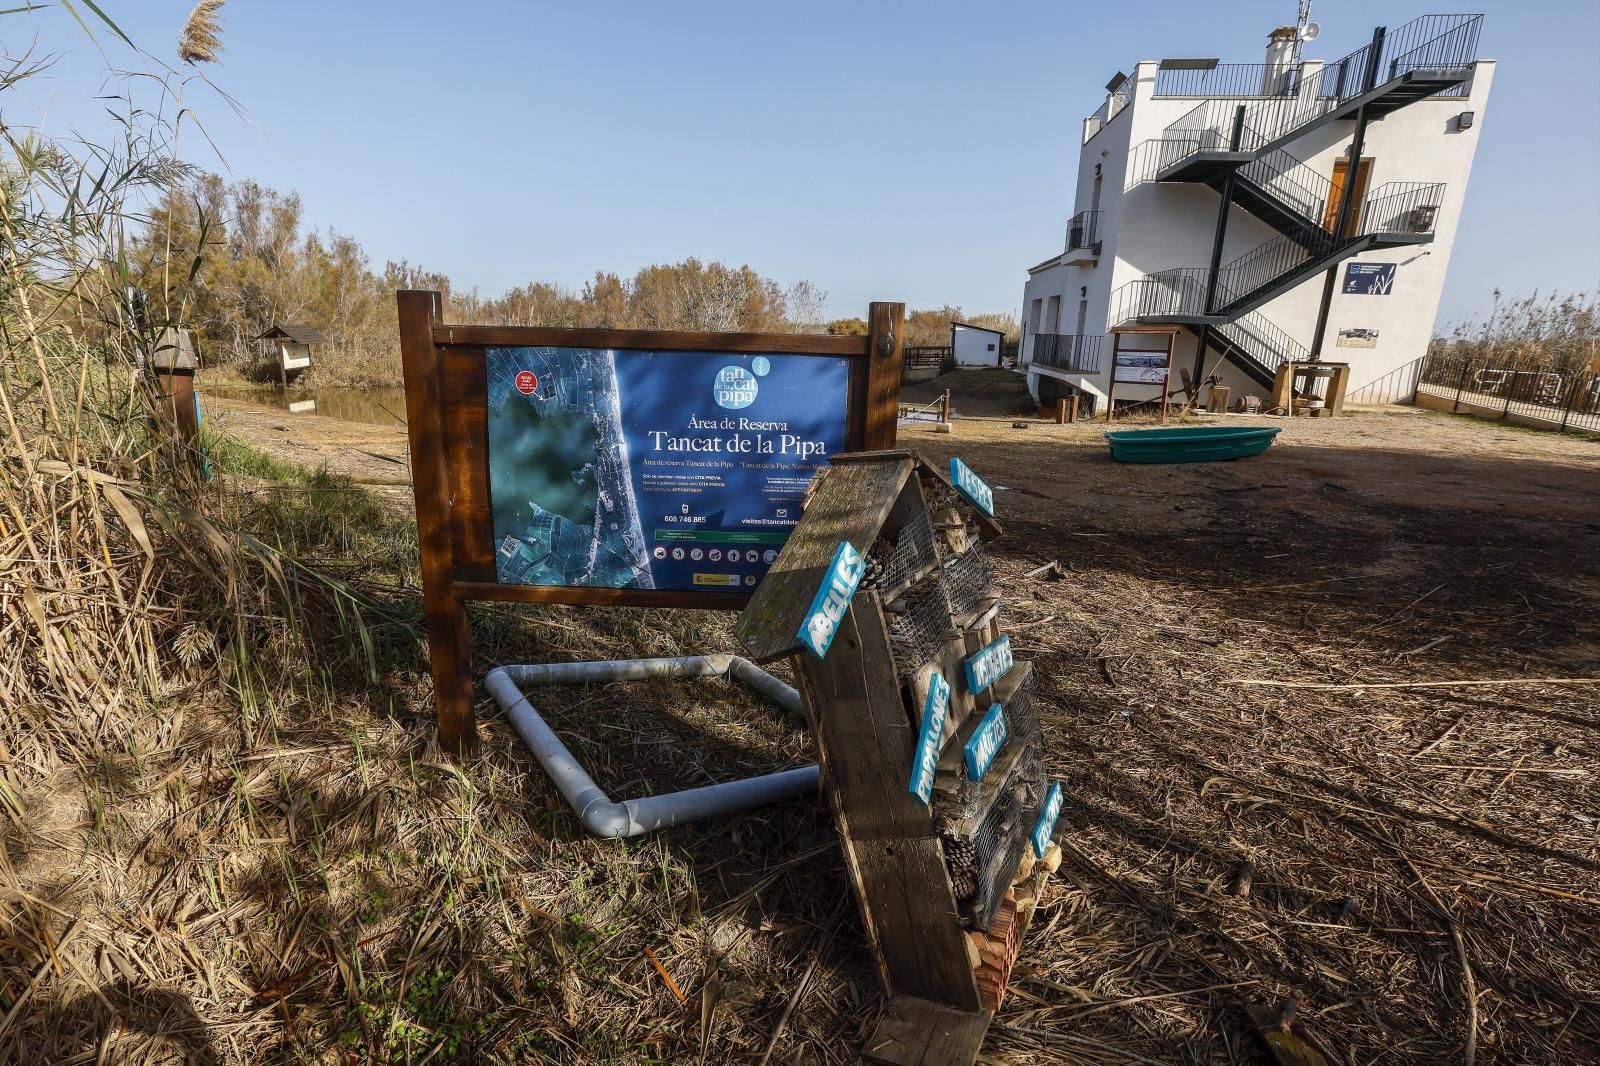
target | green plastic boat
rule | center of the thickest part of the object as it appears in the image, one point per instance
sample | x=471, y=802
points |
x=1190, y=444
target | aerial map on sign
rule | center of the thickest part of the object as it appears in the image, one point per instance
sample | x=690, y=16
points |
x=653, y=470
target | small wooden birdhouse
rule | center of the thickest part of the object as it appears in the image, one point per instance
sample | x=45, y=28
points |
x=927, y=732
x=291, y=347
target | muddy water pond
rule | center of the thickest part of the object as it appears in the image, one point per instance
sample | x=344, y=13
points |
x=377, y=407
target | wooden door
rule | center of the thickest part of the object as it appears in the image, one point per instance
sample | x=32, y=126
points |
x=1341, y=174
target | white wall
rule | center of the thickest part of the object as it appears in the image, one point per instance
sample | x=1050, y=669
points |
x=975, y=347
x=1147, y=227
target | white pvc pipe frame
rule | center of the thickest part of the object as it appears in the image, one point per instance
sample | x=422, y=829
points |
x=598, y=813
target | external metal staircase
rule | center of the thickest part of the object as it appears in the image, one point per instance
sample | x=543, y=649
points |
x=1428, y=56
x=1237, y=149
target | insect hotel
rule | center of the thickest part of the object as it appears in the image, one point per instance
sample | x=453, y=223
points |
x=927, y=732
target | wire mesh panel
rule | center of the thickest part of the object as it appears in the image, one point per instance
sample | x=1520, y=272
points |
x=1022, y=709
x=969, y=580
x=997, y=850
x=919, y=626
x=893, y=568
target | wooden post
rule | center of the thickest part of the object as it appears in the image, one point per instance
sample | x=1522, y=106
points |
x=1111, y=391
x=1061, y=410
x=1336, y=390
x=1166, y=378
x=885, y=339
x=944, y=406
x=448, y=654
x=1283, y=388
x=865, y=744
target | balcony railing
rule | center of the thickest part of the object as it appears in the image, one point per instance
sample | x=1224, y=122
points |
x=1402, y=207
x=1228, y=79
x=1067, y=351
x=1083, y=230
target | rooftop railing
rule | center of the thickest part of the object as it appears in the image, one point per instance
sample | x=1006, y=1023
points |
x=1429, y=43
x=1228, y=79
x=1119, y=98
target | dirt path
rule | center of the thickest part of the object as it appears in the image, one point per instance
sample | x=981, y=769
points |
x=375, y=456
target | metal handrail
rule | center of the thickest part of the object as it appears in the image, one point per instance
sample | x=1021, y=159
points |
x=1430, y=42
x=1229, y=79
x=1292, y=182
x=1402, y=207
x=1183, y=291
x=1114, y=105
x=1395, y=208
x=1083, y=230
x=1068, y=351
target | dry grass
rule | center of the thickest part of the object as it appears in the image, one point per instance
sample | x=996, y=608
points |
x=302, y=878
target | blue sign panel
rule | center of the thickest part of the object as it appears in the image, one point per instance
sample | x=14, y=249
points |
x=1045, y=827
x=832, y=599
x=929, y=738
x=988, y=665
x=985, y=743
x=637, y=469
x=972, y=487
x=1369, y=279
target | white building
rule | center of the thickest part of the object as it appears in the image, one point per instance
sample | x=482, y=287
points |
x=1291, y=268
x=975, y=345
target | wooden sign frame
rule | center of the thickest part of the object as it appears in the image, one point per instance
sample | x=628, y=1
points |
x=1171, y=333
x=446, y=422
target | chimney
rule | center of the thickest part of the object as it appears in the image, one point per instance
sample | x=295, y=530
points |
x=1277, y=79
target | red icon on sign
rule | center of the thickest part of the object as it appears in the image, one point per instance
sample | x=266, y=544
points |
x=527, y=382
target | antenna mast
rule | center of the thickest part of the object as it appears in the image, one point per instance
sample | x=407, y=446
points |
x=1300, y=23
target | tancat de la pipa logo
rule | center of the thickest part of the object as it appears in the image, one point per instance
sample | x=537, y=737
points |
x=972, y=487
x=735, y=387
x=985, y=742
x=832, y=599
x=929, y=738
x=988, y=665
x=1045, y=827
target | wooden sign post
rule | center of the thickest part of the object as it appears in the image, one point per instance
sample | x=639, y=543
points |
x=623, y=467
x=1134, y=361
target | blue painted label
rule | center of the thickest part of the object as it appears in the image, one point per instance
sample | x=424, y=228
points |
x=929, y=738
x=972, y=487
x=988, y=665
x=832, y=599
x=1045, y=827
x=985, y=743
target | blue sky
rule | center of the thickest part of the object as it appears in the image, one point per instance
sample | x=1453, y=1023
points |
x=919, y=152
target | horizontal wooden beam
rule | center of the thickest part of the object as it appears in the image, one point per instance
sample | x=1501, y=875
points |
x=584, y=596
x=652, y=340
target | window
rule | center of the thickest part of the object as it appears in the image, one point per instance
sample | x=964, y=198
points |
x=991, y=347
x=1033, y=315
x=1053, y=315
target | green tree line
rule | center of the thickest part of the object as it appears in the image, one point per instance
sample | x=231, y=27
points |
x=260, y=264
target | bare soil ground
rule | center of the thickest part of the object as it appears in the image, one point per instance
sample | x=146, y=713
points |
x=1415, y=872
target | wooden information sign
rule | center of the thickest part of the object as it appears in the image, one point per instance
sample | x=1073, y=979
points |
x=625, y=467
x=1141, y=356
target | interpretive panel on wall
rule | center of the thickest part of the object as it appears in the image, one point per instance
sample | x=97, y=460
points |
x=633, y=469
x=1369, y=279
x=1141, y=367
